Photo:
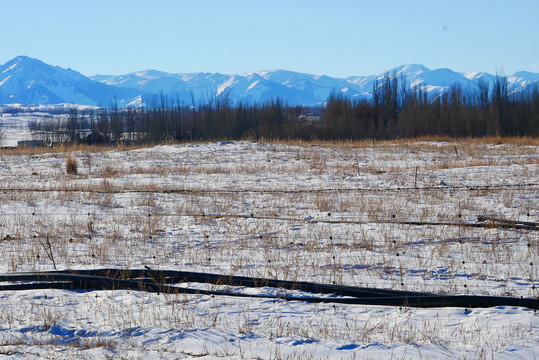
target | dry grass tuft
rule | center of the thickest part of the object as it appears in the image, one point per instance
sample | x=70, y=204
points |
x=71, y=165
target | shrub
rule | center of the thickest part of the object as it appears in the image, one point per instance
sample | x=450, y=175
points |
x=71, y=165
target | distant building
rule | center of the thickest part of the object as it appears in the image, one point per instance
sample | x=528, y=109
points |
x=95, y=137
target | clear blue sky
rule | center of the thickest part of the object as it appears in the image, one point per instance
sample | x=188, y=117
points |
x=337, y=38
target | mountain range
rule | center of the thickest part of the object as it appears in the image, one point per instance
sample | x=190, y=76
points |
x=28, y=81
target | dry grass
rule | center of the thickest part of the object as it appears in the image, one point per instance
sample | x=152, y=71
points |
x=64, y=148
x=419, y=141
x=344, y=144
x=71, y=165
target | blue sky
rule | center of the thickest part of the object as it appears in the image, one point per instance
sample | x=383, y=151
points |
x=337, y=38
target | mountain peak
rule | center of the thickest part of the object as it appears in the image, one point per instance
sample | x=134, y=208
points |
x=526, y=74
x=23, y=60
x=28, y=81
x=409, y=69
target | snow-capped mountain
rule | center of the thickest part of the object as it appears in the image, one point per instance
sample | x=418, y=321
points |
x=27, y=81
x=294, y=88
x=30, y=81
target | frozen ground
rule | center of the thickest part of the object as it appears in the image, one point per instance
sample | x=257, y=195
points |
x=329, y=214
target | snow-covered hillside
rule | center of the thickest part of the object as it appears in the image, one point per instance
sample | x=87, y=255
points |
x=30, y=81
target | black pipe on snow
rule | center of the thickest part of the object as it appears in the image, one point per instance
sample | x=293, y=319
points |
x=158, y=280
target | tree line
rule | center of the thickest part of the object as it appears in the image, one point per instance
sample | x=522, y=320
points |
x=395, y=111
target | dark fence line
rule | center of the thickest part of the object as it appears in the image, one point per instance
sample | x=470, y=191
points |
x=491, y=224
x=111, y=190
x=487, y=222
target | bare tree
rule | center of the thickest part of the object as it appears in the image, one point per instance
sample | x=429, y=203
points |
x=2, y=134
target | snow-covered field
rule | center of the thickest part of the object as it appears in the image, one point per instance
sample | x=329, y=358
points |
x=318, y=213
x=16, y=128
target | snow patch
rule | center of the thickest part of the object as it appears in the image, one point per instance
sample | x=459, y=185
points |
x=9, y=68
x=229, y=83
x=253, y=85
x=6, y=79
